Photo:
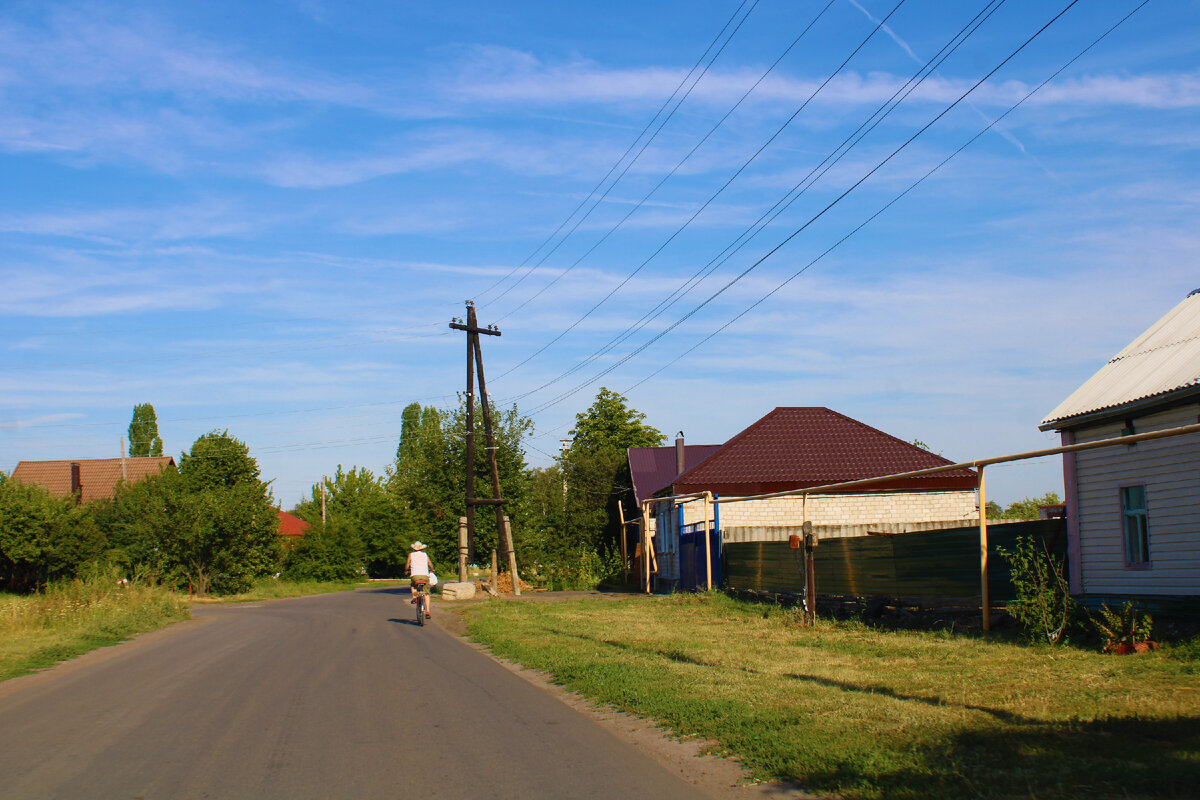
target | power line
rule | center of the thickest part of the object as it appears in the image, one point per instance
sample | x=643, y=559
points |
x=811, y=220
x=897, y=198
x=720, y=190
x=781, y=205
x=619, y=161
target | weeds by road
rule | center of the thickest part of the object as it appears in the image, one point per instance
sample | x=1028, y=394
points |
x=71, y=618
x=871, y=714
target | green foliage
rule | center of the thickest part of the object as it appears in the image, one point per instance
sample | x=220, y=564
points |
x=357, y=499
x=860, y=714
x=211, y=524
x=330, y=552
x=1044, y=605
x=218, y=459
x=428, y=476
x=1024, y=509
x=143, y=432
x=42, y=537
x=1123, y=630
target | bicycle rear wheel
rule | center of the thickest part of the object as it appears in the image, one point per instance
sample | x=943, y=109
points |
x=421, y=609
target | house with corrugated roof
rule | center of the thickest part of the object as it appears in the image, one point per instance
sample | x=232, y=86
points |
x=1133, y=513
x=803, y=447
x=88, y=479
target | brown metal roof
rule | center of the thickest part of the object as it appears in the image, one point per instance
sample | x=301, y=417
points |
x=794, y=448
x=98, y=477
x=653, y=468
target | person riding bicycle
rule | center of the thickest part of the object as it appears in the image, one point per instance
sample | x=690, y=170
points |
x=418, y=568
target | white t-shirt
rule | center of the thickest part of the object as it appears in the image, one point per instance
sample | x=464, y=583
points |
x=418, y=561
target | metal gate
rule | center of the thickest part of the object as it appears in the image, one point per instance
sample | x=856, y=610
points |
x=693, y=568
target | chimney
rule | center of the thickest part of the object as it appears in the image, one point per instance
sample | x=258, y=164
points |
x=679, y=454
x=76, y=483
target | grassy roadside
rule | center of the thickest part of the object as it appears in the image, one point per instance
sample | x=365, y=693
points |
x=870, y=714
x=273, y=589
x=70, y=619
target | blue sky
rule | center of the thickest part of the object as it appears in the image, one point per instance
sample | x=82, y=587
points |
x=262, y=216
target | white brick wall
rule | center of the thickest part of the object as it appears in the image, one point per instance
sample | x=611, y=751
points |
x=853, y=509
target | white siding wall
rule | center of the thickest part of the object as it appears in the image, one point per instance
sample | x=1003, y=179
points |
x=1170, y=471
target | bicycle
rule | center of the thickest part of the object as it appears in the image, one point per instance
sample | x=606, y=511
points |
x=418, y=589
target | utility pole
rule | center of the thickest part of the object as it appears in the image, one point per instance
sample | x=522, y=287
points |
x=475, y=366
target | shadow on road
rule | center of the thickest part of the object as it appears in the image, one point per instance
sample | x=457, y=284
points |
x=403, y=621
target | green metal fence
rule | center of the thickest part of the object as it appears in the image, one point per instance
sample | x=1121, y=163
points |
x=929, y=564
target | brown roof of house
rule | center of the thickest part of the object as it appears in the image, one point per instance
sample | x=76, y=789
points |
x=98, y=477
x=291, y=525
x=653, y=468
x=794, y=448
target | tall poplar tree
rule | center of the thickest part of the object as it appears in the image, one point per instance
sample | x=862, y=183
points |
x=143, y=432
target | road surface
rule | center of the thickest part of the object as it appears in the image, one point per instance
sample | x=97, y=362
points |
x=337, y=696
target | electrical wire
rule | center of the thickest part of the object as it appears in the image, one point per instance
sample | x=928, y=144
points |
x=896, y=199
x=781, y=205
x=619, y=161
x=811, y=220
x=745, y=165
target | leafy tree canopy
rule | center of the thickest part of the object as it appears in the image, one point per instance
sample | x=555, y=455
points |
x=609, y=423
x=143, y=432
x=218, y=459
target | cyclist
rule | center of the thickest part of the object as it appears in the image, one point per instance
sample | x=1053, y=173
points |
x=418, y=568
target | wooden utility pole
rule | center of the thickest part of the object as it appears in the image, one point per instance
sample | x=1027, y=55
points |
x=475, y=366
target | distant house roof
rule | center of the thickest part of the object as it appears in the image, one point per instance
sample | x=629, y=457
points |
x=795, y=448
x=653, y=468
x=1161, y=364
x=291, y=525
x=98, y=477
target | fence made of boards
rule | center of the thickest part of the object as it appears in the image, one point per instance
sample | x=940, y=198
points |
x=930, y=564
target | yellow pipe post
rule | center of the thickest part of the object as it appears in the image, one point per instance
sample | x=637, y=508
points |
x=983, y=554
x=707, y=540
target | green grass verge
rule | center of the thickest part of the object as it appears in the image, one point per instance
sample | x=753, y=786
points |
x=69, y=619
x=870, y=714
x=277, y=589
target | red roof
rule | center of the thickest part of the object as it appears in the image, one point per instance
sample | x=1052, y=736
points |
x=98, y=477
x=794, y=448
x=291, y=525
x=653, y=468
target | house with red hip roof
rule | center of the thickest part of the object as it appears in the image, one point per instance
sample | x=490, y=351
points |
x=803, y=447
x=88, y=479
x=291, y=527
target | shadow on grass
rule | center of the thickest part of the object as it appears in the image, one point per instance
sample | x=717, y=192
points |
x=1127, y=758
x=884, y=691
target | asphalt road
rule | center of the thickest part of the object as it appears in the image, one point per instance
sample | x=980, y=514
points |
x=338, y=696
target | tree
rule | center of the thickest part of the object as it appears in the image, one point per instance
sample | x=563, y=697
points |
x=143, y=432
x=428, y=476
x=361, y=503
x=1029, y=508
x=42, y=537
x=595, y=471
x=220, y=524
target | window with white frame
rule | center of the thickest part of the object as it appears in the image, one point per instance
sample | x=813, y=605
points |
x=1136, y=525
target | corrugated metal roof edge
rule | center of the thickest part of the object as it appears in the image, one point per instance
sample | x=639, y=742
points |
x=1141, y=404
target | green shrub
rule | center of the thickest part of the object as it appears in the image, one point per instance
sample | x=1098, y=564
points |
x=1044, y=605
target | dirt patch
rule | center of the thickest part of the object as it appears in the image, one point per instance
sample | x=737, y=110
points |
x=713, y=776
